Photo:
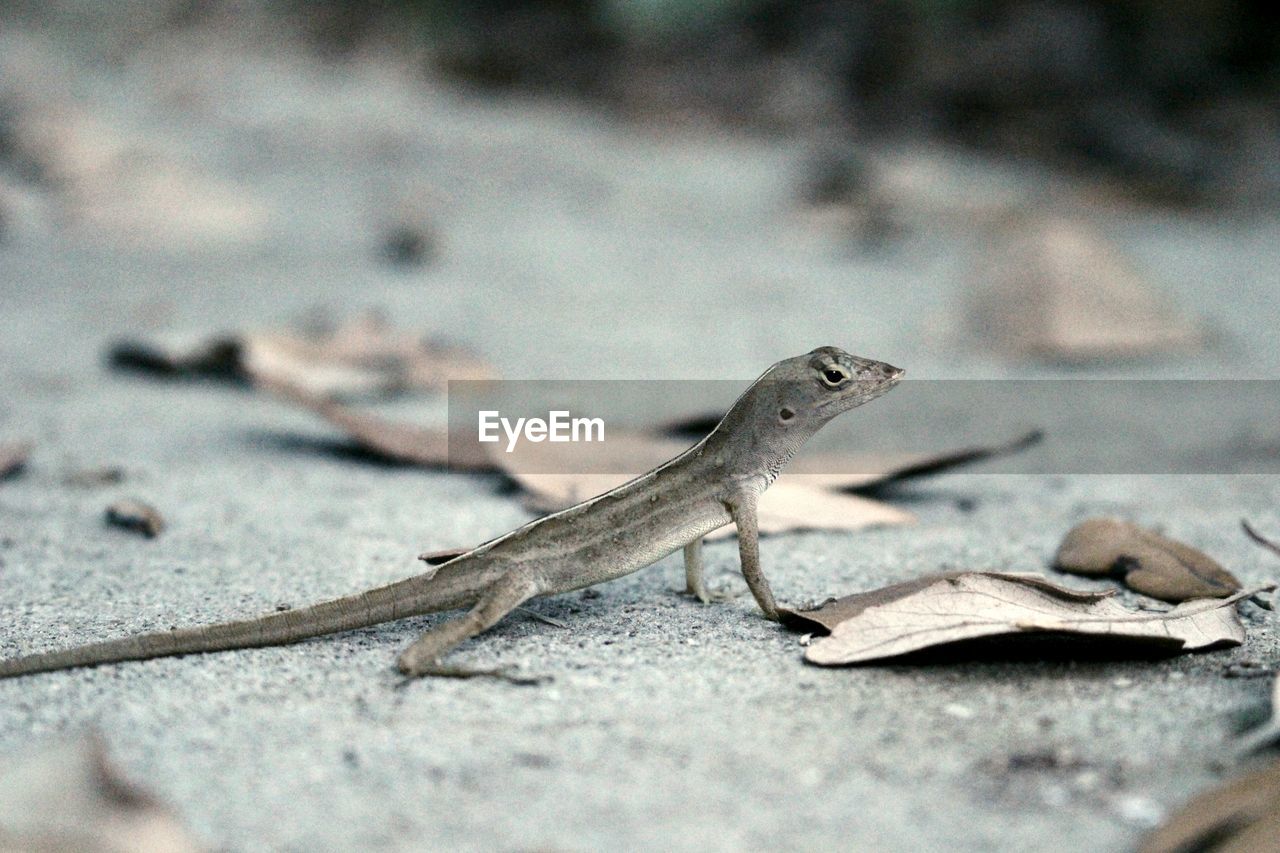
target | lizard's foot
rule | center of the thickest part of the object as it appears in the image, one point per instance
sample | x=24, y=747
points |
x=704, y=595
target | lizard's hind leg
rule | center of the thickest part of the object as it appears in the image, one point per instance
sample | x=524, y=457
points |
x=695, y=583
x=505, y=594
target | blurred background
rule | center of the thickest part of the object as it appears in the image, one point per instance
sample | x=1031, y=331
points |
x=1011, y=186
x=1179, y=100
x=640, y=189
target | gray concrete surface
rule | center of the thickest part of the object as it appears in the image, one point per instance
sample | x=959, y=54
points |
x=569, y=248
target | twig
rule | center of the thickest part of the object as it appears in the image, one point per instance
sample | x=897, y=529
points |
x=1259, y=538
x=541, y=617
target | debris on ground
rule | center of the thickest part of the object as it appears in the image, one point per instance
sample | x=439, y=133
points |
x=938, y=611
x=134, y=515
x=1144, y=560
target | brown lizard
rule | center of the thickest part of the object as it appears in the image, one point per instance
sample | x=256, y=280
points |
x=713, y=483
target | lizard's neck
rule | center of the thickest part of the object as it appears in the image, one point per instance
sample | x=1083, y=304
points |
x=749, y=446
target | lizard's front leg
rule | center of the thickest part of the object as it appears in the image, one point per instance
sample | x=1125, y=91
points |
x=744, y=518
x=506, y=594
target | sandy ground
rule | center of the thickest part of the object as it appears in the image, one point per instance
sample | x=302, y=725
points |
x=568, y=247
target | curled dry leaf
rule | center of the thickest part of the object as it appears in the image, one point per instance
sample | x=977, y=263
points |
x=1268, y=733
x=1144, y=560
x=1056, y=289
x=811, y=494
x=13, y=458
x=556, y=476
x=68, y=796
x=790, y=504
x=365, y=356
x=137, y=516
x=1242, y=815
x=398, y=442
x=937, y=611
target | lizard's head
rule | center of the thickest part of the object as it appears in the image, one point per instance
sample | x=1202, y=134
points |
x=819, y=385
x=795, y=398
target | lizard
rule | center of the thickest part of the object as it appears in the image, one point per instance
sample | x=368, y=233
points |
x=716, y=482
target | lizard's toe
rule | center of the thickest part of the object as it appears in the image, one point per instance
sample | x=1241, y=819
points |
x=710, y=597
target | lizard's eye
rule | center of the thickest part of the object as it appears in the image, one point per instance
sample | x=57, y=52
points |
x=833, y=376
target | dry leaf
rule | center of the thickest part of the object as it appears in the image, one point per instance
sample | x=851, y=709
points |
x=539, y=469
x=364, y=356
x=1241, y=816
x=971, y=605
x=68, y=796
x=1253, y=534
x=556, y=476
x=824, y=618
x=788, y=506
x=1056, y=289
x=179, y=356
x=136, y=516
x=439, y=558
x=13, y=458
x=398, y=442
x=1144, y=560
x=1269, y=732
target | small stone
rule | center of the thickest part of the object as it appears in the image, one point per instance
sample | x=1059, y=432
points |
x=137, y=516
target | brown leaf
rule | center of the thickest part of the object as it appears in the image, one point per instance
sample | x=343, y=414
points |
x=1253, y=534
x=803, y=498
x=399, y=442
x=1056, y=289
x=364, y=356
x=1242, y=816
x=1146, y=561
x=68, y=796
x=136, y=516
x=971, y=605
x=13, y=458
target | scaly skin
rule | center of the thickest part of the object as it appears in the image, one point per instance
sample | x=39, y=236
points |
x=715, y=482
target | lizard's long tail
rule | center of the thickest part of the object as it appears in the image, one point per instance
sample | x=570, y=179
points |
x=409, y=597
